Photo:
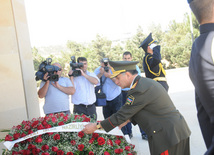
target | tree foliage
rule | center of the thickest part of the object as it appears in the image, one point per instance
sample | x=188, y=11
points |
x=175, y=43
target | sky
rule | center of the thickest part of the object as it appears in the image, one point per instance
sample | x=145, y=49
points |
x=54, y=22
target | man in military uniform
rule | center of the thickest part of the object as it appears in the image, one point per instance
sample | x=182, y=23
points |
x=152, y=61
x=201, y=69
x=149, y=106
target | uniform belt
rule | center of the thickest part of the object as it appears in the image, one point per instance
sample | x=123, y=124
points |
x=160, y=79
x=86, y=106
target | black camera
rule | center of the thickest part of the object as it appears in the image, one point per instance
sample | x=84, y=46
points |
x=105, y=61
x=45, y=67
x=74, y=66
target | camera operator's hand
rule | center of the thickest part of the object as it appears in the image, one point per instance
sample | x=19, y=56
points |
x=100, y=74
x=107, y=74
x=55, y=84
x=46, y=77
x=43, y=91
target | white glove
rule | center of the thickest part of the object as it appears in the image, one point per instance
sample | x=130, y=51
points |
x=153, y=45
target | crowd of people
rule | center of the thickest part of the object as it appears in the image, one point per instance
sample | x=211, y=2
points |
x=133, y=99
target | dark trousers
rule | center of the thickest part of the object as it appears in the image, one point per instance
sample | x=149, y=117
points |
x=164, y=84
x=88, y=110
x=182, y=148
x=112, y=106
x=127, y=129
x=207, y=128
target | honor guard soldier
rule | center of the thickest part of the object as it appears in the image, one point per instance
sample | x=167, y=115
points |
x=152, y=61
x=149, y=106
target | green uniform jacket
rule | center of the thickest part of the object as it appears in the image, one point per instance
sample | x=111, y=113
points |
x=149, y=106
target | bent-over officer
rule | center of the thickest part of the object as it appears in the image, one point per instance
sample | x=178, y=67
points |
x=149, y=106
x=152, y=61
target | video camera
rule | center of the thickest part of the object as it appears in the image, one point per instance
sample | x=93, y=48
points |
x=105, y=61
x=74, y=66
x=45, y=67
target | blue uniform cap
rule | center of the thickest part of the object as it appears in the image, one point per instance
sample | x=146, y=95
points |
x=147, y=42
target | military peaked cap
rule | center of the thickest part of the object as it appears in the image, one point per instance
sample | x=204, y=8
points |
x=147, y=42
x=122, y=66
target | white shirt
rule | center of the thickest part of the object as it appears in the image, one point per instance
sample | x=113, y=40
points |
x=85, y=92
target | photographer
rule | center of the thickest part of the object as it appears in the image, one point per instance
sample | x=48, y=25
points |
x=84, y=97
x=112, y=91
x=56, y=93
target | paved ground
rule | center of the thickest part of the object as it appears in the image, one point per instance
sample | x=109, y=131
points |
x=181, y=92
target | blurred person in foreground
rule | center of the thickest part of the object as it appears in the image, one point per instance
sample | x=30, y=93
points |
x=149, y=106
x=56, y=93
x=84, y=97
x=201, y=69
x=152, y=61
x=127, y=129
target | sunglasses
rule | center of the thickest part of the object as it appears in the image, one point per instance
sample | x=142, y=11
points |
x=60, y=69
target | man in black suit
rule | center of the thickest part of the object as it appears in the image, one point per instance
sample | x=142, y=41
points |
x=201, y=69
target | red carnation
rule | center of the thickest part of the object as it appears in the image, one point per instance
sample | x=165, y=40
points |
x=34, y=124
x=101, y=141
x=16, y=136
x=54, y=120
x=56, y=137
x=40, y=127
x=18, y=127
x=23, y=135
x=44, y=123
x=81, y=134
x=54, y=149
x=117, y=142
x=106, y=153
x=26, y=152
x=69, y=153
x=30, y=131
x=91, y=141
x=127, y=148
x=15, y=153
x=45, y=147
x=118, y=151
x=31, y=146
x=16, y=145
x=95, y=135
x=61, y=123
x=91, y=153
x=38, y=139
x=65, y=118
x=48, y=126
x=109, y=142
x=81, y=147
x=60, y=152
x=130, y=154
x=77, y=117
x=8, y=138
x=35, y=151
x=73, y=142
x=27, y=127
x=133, y=146
x=45, y=153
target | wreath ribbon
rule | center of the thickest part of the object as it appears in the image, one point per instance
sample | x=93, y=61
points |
x=70, y=127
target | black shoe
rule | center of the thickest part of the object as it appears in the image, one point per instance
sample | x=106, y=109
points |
x=144, y=136
x=130, y=135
